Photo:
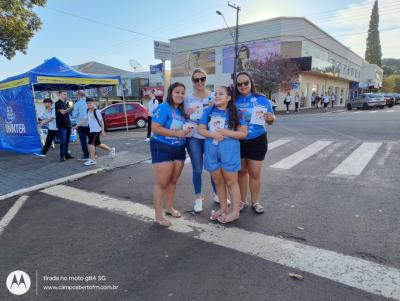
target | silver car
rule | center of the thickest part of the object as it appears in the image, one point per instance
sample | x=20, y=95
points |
x=367, y=100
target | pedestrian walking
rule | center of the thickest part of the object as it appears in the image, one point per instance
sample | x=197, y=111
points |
x=333, y=99
x=167, y=146
x=313, y=101
x=151, y=106
x=79, y=113
x=63, y=123
x=222, y=151
x=326, y=101
x=274, y=105
x=296, y=102
x=49, y=119
x=254, y=147
x=96, y=131
x=194, y=105
x=287, y=101
x=317, y=100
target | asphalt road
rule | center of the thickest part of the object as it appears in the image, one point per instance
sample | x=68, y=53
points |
x=332, y=199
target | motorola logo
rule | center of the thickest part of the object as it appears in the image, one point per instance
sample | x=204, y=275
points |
x=18, y=282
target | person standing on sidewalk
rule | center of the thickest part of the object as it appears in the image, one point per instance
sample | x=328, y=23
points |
x=96, y=129
x=49, y=118
x=288, y=100
x=63, y=124
x=80, y=113
x=194, y=105
x=151, y=106
x=167, y=146
x=326, y=101
x=296, y=102
x=254, y=147
x=333, y=99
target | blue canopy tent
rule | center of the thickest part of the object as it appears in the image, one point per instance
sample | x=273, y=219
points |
x=18, y=121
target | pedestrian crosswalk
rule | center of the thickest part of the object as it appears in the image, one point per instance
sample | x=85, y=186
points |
x=340, y=158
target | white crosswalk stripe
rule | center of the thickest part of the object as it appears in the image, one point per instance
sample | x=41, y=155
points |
x=301, y=155
x=354, y=164
x=359, y=273
x=278, y=143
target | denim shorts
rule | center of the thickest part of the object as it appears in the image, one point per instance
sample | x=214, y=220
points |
x=225, y=155
x=162, y=152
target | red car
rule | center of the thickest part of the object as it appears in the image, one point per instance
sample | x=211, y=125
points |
x=114, y=115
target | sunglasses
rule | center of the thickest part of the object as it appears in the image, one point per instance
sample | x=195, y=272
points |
x=246, y=83
x=200, y=79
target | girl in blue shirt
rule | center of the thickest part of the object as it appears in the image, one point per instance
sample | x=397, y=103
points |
x=221, y=126
x=256, y=110
x=168, y=151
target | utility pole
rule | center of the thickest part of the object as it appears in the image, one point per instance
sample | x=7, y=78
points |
x=236, y=38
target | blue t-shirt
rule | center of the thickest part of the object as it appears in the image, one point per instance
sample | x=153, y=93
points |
x=169, y=119
x=215, y=118
x=246, y=105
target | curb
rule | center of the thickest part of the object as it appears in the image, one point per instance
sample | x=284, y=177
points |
x=62, y=180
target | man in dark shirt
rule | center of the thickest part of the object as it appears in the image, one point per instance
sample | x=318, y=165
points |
x=63, y=124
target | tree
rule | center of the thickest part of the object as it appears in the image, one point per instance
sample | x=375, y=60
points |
x=270, y=74
x=18, y=24
x=373, y=53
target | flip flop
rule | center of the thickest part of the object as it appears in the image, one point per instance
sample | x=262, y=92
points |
x=163, y=223
x=174, y=213
x=222, y=219
x=243, y=205
x=257, y=208
x=215, y=216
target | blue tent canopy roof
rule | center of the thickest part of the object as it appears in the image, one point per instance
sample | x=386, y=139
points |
x=53, y=75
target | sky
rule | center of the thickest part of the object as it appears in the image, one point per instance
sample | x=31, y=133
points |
x=74, y=30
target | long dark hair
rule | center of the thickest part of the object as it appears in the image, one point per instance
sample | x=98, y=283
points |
x=170, y=101
x=253, y=88
x=233, y=114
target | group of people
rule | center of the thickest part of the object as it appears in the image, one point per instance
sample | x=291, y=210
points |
x=323, y=101
x=288, y=100
x=223, y=132
x=89, y=126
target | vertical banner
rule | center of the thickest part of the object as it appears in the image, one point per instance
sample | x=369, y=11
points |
x=18, y=124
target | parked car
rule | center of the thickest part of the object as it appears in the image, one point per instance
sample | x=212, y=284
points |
x=367, y=100
x=390, y=99
x=396, y=98
x=114, y=116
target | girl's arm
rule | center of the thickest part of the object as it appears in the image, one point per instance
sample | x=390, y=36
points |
x=160, y=130
x=206, y=133
x=241, y=132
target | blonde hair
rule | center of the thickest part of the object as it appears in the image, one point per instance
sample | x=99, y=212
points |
x=199, y=70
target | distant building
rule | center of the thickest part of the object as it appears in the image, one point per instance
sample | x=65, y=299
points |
x=326, y=65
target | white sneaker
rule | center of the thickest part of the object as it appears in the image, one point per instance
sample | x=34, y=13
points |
x=147, y=139
x=90, y=162
x=198, y=205
x=112, y=153
x=40, y=155
x=216, y=200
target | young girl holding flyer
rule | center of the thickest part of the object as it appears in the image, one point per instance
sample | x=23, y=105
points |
x=221, y=125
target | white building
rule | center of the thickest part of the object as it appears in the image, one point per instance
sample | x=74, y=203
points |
x=327, y=66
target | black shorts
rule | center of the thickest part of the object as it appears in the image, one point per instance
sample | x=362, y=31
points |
x=326, y=104
x=94, y=138
x=254, y=149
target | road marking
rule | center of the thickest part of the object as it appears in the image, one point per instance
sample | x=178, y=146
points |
x=12, y=212
x=355, y=272
x=277, y=143
x=301, y=155
x=354, y=164
x=390, y=111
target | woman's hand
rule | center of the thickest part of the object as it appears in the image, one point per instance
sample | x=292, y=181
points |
x=223, y=132
x=217, y=136
x=269, y=118
x=103, y=134
x=183, y=133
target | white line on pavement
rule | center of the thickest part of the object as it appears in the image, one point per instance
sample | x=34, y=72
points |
x=390, y=111
x=301, y=155
x=354, y=164
x=12, y=212
x=277, y=143
x=351, y=271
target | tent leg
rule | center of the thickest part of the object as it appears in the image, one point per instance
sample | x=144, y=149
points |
x=37, y=128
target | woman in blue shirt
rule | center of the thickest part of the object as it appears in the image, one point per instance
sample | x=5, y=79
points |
x=168, y=151
x=256, y=110
x=221, y=125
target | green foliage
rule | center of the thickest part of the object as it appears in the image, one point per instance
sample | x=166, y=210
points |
x=373, y=53
x=391, y=83
x=18, y=24
x=391, y=66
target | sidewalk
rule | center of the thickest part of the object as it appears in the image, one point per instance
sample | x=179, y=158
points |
x=19, y=171
x=336, y=109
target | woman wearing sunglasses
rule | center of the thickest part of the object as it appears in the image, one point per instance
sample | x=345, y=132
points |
x=195, y=104
x=256, y=110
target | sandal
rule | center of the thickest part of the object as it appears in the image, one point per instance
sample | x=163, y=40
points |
x=257, y=208
x=163, y=223
x=174, y=213
x=225, y=219
x=215, y=215
x=243, y=205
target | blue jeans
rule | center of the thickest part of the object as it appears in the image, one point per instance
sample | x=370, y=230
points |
x=195, y=148
x=83, y=133
x=63, y=136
